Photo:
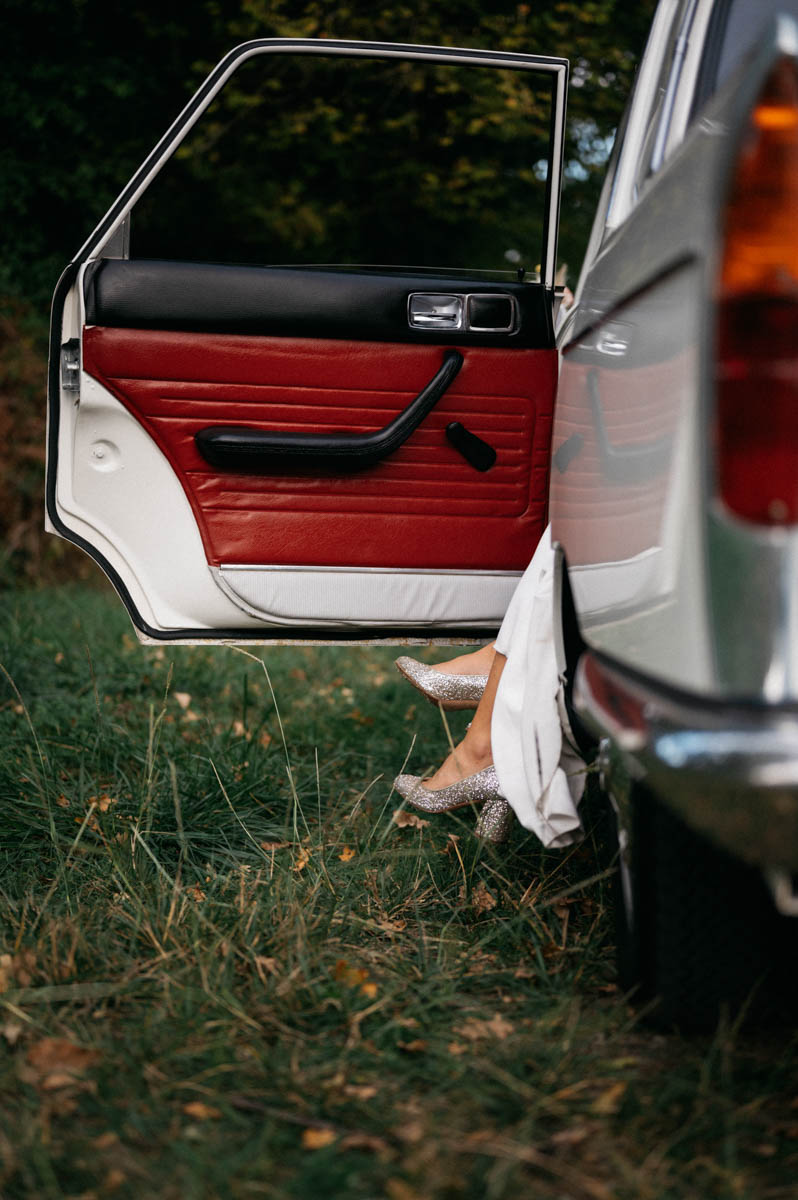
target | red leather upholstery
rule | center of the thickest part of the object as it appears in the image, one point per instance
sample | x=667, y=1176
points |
x=424, y=506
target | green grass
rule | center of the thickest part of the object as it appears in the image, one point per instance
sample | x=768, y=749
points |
x=264, y=986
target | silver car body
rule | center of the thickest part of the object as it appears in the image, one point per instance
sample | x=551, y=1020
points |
x=688, y=614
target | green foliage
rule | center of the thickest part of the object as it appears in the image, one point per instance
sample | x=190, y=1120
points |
x=88, y=86
x=308, y=159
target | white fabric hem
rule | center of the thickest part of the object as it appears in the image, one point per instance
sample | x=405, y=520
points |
x=539, y=773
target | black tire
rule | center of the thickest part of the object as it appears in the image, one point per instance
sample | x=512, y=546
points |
x=704, y=936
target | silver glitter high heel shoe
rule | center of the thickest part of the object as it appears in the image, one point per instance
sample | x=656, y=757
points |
x=494, y=821
x=496, y=817
x=448, y=691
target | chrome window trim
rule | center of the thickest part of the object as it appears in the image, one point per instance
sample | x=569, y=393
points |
x=102, y=234
x=681, y=48
x=682, y=110
x=624, y=197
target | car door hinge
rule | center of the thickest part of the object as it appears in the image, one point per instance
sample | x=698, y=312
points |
x=70, y=367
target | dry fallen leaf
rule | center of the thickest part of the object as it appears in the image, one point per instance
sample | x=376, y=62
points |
x=412, y=1131
x=103, y=802
x=481, y=899
x=23, y=966
x=183, y=699
x=317, y=1139
x=351, y=976
x=609, y=1101
x=196, y=893
x=397, y=1189
x=457, y=1048
x=406, y=1022
x=360, y=717
x=406, y=820
x=264, y=964
x=360, y=1091
x=6, y=972
x=571, y=1136
x=367, y=1141
x=392, y=926
x=478, y=1137
x=12, y=1032
x=201, y=1111
x=268, y=846
x=57, y=1080
x=346, y=854
x=474, y=1029
x=572, y=1089
x=62, y=802
x=354, y=977
x=265, y=739
x=499, y=1026
x=302, y=860
x=417, y=1046
x=105, y=1140
x=58, y=1063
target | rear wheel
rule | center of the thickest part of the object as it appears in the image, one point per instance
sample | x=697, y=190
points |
x=703, y=935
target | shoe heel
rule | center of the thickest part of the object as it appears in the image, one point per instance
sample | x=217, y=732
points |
x=494, y=821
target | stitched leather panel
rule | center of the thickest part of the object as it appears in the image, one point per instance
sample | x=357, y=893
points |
x=424, y=506
x=285, y=302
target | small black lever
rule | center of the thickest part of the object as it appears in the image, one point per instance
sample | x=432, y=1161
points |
x=473, y=449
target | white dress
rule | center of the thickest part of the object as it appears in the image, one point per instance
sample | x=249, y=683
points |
x=540, y=772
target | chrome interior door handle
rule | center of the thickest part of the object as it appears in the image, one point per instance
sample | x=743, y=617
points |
x=435, y=311
x=471, y=312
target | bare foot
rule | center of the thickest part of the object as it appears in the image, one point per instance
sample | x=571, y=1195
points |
x=478, y=662
x=466, y=759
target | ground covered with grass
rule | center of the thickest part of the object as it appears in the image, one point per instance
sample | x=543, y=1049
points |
x=232, y=966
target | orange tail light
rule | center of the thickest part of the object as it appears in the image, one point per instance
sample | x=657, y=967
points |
x=756, y=433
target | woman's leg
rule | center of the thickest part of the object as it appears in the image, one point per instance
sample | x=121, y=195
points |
x=477, y=662
x=474, y=753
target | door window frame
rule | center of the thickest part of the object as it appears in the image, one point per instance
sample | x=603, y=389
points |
x=102, y=237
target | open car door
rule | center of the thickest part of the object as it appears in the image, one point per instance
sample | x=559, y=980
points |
x=260, y=451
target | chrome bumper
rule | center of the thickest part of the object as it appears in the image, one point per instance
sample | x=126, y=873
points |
x=729, y=770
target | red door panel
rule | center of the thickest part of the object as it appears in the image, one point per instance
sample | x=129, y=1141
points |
x=422, y=507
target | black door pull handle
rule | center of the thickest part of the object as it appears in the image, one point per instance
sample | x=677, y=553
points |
x=236, y=448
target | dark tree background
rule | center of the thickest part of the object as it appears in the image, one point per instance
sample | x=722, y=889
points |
x=89, y=85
